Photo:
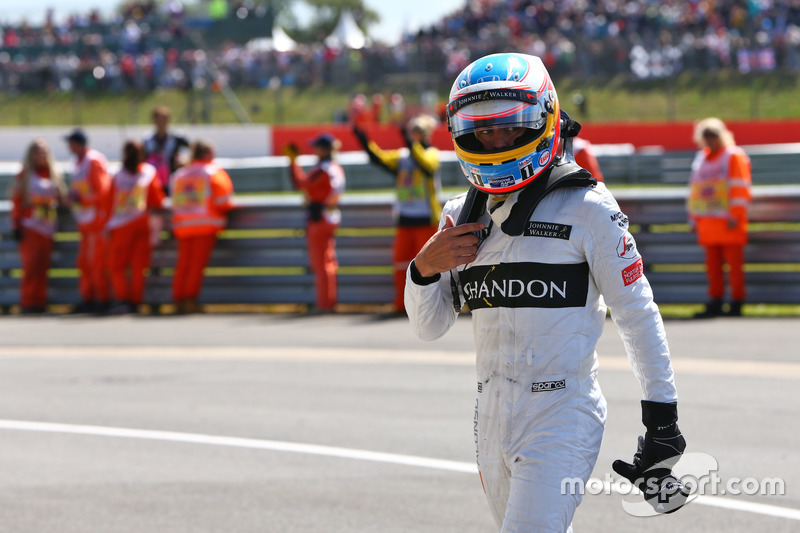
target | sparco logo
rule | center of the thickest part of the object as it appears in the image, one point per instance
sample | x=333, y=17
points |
x=526, y=285
x=544, y=386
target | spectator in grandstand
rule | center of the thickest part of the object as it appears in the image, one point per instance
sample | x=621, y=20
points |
x=359, y=113
x=377, y=108
x=89, y=187
x=36, y=193
x=719, y=197
x=584, y=156
x=163, y=148
x=202, y=195
x=577, y=38
x=322, y=186
x=135, y=191
x=397, y=109
x=415, y=171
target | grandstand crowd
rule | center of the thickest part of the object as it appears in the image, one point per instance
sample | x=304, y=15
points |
x=149, y=44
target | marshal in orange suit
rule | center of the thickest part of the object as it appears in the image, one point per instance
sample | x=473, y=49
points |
x=322, y=186
x=36, y=193
x=719, y=197
x=135, y=191
x=89, y=186
x=202, y=195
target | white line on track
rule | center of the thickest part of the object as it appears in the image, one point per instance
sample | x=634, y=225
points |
x=331, y=451
x=238, y=442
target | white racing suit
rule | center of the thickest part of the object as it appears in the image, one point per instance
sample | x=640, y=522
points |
x=537, y=313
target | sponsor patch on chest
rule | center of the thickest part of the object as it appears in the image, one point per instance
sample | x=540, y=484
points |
x=548, y=230
x=526, y=285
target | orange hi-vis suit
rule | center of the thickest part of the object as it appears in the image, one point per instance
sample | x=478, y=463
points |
x=584, y=156
x=322, y=185
x=417, y=209
x=719, y=197
x=132, y=197
x=36, y=218
x=89, y=187
x=202, y=194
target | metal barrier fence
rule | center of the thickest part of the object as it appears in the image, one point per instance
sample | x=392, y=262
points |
x=262, y=259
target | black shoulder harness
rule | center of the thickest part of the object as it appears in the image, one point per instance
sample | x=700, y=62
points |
x=564, y=173
x=474, y=206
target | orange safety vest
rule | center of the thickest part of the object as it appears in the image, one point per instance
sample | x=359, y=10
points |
x=201, y=195
x=719, y=192
x=129, y=195
x=90, y=193
x=39, y=212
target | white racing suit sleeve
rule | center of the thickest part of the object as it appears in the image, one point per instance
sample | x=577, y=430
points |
x=430, y=307
x=618, y=271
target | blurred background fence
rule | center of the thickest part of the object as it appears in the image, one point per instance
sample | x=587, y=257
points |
x=262, y=259
x=620, y=72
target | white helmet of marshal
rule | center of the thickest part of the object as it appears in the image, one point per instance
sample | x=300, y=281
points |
x=504, y=91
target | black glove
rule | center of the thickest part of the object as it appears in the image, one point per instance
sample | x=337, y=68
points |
x=16, y=234
x=658, y=451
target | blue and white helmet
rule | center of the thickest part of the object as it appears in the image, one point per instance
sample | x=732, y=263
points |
x=505, y=91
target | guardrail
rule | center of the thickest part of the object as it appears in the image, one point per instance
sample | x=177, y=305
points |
x=261, y=258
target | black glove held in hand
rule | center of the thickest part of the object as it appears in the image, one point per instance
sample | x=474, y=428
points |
x=658, y=451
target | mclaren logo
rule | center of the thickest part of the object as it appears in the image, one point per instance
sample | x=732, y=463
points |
x=526, y=285
x=626, y=247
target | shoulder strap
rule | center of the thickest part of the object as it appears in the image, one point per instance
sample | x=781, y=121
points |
x=566, y=174
x=474, y=206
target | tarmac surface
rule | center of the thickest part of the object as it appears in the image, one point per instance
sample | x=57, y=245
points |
x=346, y=423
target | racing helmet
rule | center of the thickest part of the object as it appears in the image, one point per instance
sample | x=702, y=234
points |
x=504, y=91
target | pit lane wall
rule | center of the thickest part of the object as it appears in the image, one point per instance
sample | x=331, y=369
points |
x=256, y=140
x=669, y=136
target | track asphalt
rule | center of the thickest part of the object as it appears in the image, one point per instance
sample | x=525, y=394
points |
x=345, y=423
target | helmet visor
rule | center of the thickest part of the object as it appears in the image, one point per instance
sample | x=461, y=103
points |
x=497, y=114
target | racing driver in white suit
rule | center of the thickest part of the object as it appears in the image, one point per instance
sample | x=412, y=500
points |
x=530, y=249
